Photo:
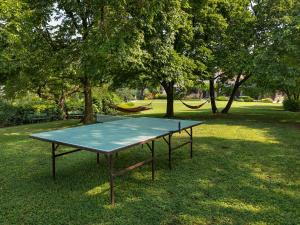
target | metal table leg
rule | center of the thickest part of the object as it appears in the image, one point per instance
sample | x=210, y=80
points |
x=111, y=179
x=191, y=140
x=54, y=147
x=98, y=159
x=170, y=152
x=153, y=161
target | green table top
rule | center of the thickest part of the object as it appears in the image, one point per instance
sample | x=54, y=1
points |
x=115, y=135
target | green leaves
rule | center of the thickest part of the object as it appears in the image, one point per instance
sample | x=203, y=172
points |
x=167, y=34
x=59, y=45
x=278, y=65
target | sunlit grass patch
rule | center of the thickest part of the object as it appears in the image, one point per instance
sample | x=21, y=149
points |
x=245, y=170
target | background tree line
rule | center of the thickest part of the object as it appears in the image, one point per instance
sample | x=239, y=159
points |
x=59, y=48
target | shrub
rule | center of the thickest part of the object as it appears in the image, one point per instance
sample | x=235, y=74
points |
x=267, y=100
x=245, y=99
x=12, y=115
x=222, y=98
x=75, y=104
x=126, y=94
x=147, y=94
x=160, y=96
x=192, y=96
x=291, y=105
x=22, y=112
x=7, y=111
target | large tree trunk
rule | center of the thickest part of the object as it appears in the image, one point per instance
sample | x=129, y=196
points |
x=212, y=95
x=62, y=108
x=169, y=88
x=230, y=101
x=141, y=91
x=88, y=102
x=237, y=84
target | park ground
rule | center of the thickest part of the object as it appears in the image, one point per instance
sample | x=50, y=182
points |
x=245, y=170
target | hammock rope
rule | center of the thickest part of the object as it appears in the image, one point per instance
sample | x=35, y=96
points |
x=194, y=106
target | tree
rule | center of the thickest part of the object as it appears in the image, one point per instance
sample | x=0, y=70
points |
x=10, y=21
x=209, y=25
x=278, y=66
x=165, y=27
x=229, y=38
x=73, y=40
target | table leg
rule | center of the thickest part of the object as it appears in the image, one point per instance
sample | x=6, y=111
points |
x=111, y=179
x=53, y=160
x=153, y=161
x=191, y=140
x=170, y=151
x=98, y=159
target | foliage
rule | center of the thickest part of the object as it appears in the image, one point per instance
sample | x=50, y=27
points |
x=103, y=96
x=252, y=89
x=160, y=96
x=75, y=103
x=278, y=65
x=222, y=98
x=24, y=111
x=7, y=113
x=148, y=94
x=267, y=100
x=226, y=37
x=126, y=94
x=166, y=29
x=223, y=89
x=69, y=45
x=245, y=99
x=291, y=105
x=58, y=49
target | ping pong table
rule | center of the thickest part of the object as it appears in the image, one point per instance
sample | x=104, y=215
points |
x=109, y=138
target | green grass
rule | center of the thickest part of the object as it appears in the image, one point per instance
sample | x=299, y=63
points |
x=245, y=170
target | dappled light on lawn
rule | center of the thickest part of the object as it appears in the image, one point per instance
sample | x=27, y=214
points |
x=242, y=171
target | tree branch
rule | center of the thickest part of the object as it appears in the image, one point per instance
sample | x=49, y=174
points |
x=71, y=15
x=71, y=92
x=216, y=77
x=42, y=95
x=47, y=37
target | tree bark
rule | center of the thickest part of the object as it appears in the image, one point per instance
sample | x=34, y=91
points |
x=62, y=108
x=237, y=84
x=141, y=92
x=88, y=102
x=232, y=95
x=212, y=95
x=169, y=88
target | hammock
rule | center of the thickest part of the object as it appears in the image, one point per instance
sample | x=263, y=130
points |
x=194, y=106
x=133, y=109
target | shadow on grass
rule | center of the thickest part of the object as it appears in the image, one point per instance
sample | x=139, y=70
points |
x=229, y=181
x=268, y=113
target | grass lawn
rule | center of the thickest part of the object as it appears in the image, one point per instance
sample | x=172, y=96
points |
x=245, y=170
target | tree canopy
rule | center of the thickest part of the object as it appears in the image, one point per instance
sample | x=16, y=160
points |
x=58, y=48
